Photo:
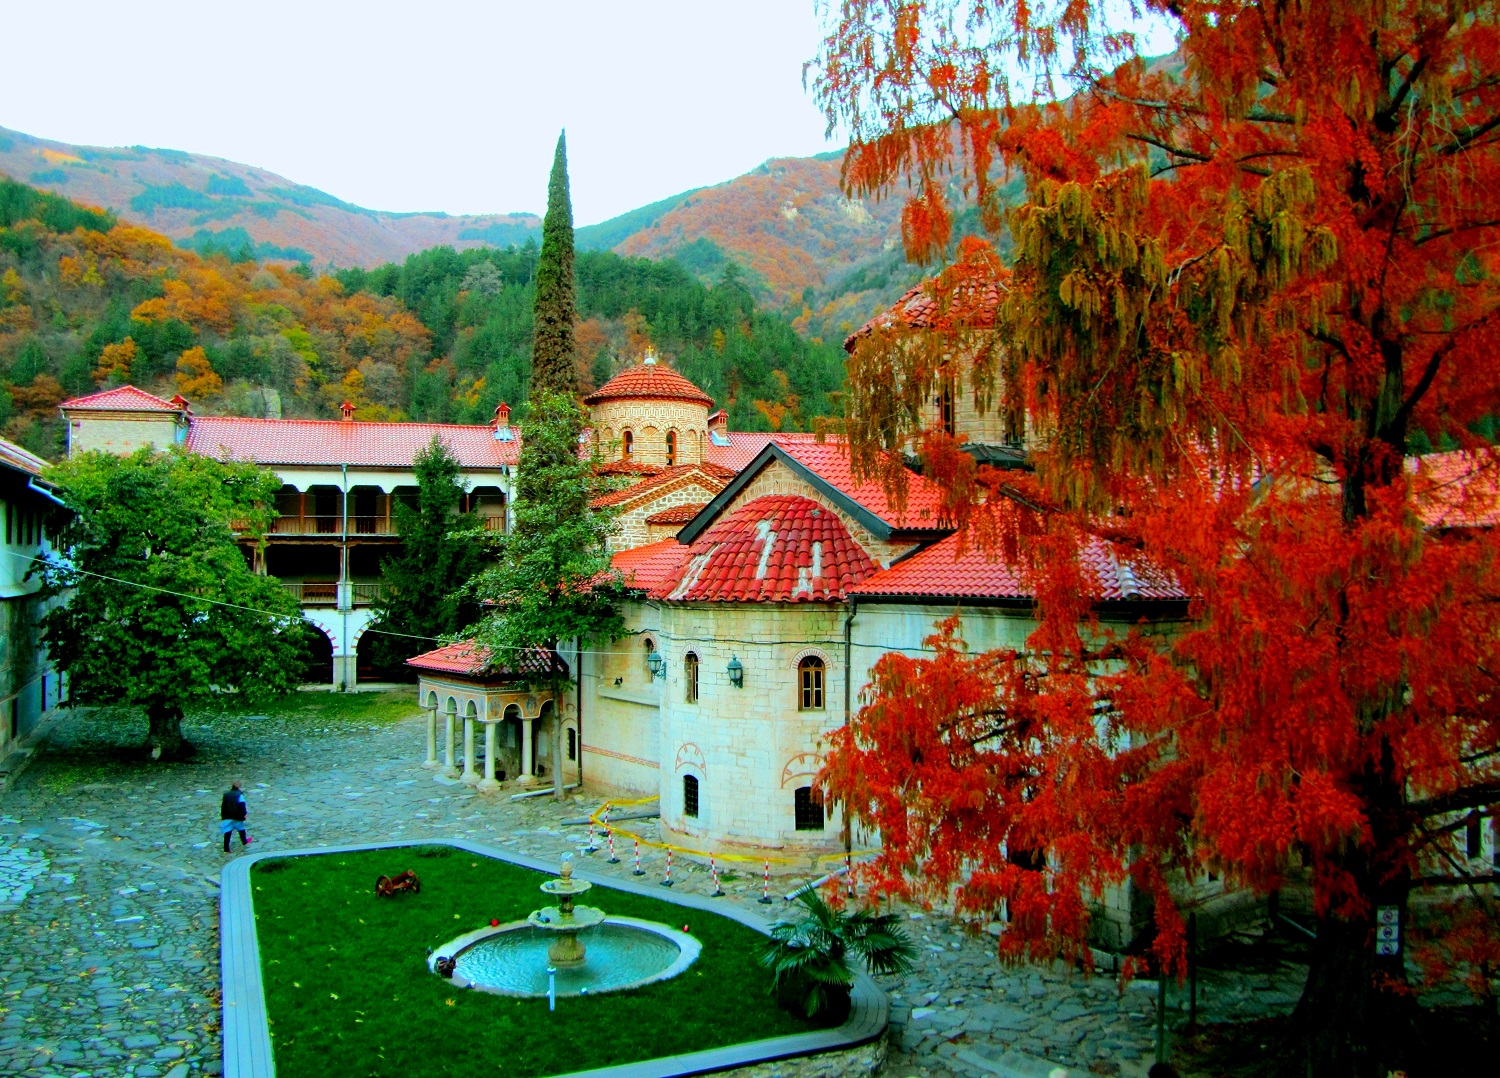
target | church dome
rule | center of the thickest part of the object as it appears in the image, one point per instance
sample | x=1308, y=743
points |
x=649, y=380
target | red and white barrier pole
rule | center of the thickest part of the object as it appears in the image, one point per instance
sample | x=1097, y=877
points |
x=713, y=868
x=668, y=881
x=613, y=860
x=639, y=871
x=590, y=848
x=765, y=887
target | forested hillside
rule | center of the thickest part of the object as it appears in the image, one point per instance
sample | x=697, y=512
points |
x=87, y=302
x=477, y=305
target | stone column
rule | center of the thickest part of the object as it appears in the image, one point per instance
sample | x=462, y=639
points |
x=490, y=783
x=450, y=767
x=526, y=778
x=431, y=760
x=470, y=777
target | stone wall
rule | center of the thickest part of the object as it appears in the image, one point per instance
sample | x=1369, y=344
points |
x=649, y=421
x=861, y=1062
x=631, y=529
x=621, y=721
x=121, y=432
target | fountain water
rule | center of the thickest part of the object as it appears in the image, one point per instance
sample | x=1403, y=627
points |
x=619, y=952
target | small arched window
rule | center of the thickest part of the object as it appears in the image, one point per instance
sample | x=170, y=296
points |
x=690, y=796
x=690, y=677
x=810, y=677
x=671, y=448
x=627, y=444
x=807, y=808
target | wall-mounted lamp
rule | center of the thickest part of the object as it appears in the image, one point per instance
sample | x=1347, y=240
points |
x=736, y=672
x=657, y=664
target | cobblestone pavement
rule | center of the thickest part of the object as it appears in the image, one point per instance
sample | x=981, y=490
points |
x=109, y=945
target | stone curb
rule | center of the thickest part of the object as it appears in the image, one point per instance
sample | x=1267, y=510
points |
x=247, y=1033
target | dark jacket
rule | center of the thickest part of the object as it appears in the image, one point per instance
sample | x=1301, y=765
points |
x=233, y=806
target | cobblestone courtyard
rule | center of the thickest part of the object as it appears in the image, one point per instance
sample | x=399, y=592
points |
x=108, y=892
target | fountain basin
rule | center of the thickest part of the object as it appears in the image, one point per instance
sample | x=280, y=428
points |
x=623, y=953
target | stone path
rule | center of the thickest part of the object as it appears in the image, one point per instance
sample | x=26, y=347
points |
x=109, y=945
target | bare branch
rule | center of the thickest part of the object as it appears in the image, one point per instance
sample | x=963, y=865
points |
x=1465, y=797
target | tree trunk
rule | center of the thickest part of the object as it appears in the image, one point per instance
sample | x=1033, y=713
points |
x=1356, y=1018
x=164, y=740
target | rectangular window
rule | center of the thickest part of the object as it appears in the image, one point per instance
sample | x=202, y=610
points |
x=811, y=671
x=572, y=744
x=690, y=796
x=1474, y=838
x=807, y=807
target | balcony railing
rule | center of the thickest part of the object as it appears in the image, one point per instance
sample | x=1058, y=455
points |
x=365, y=594
x=494, y=524
x=315, y=594
x=331, y=525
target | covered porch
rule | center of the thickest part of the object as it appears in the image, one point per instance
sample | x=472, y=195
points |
x=526, y=733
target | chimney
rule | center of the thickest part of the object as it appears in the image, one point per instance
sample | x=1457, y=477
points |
x=502, y=415
x=718, y=423
x=180, y=401
x=649, y=359
x=347, y=411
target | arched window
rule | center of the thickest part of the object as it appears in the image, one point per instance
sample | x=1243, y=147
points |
x=627, y=444
x=650, y=646
x=671, y=448
x=690, y=796
x=690, y=677
x=807, y=808
x=572, y=743
x=810, y=678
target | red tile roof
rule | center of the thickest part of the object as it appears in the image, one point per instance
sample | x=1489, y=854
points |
x=649, y=567
x=920, y=309
x=780, y=548
x=19, y=458
x=709, y=475
x=741, y=450
x=1458, y=489
x=830, y=461
x=473, y=660
x=649, y=381
x=940, y=572
x=331, y=442
x=678, y=514
x=123, y=399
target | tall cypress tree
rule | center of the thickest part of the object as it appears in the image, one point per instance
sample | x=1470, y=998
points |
x=552, y=369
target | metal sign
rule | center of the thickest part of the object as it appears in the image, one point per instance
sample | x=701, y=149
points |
x=1387, y=930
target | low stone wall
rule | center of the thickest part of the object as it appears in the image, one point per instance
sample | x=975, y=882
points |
x=867, y=1059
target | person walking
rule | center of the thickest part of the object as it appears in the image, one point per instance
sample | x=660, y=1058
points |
x=232, y=813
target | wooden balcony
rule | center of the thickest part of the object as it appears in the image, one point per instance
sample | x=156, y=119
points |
x=366, y=594
x=315, y=594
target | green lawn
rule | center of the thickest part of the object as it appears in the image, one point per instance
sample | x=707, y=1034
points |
x=349, y=991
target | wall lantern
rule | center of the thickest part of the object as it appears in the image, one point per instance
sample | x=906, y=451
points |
x=736, y=672
x=657, y=664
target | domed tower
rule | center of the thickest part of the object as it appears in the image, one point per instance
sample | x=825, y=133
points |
x=649, y=414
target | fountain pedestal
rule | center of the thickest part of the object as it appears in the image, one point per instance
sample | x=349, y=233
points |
x=566, y=919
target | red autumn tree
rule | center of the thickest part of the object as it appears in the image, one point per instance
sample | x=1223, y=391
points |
x=1245, y=284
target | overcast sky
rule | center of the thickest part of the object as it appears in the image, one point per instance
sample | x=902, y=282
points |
x=428, y=104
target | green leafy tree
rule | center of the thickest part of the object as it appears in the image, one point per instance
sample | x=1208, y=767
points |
x=441, y=551
x=553, y=581
x=552, y=347
x=165, y=613
x=809, y=955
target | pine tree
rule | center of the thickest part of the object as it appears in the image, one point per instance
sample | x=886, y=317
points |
x=440, y=551
x=552, y=364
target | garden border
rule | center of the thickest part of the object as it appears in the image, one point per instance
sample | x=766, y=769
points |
x=247, y=1033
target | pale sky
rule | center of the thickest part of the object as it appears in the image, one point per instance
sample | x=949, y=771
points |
x=428, y=104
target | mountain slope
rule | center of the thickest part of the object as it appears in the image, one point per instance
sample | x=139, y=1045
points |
x=184, y=196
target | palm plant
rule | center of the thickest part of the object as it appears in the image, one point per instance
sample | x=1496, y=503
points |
x=809, y=955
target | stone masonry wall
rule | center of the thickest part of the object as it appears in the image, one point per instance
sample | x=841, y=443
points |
x=124, y=433
x=649, y=421
x=631, y=529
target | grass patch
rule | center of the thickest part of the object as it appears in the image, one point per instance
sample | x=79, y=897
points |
x=346, y=975
x=333, y=708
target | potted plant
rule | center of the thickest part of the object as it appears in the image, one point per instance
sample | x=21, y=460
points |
x=809, y=955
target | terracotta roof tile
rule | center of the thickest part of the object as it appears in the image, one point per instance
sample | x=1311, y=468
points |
x=780, y=548
x=739, y=449
x=473, y=660
x=649, y=381
x=711, y=475
x=940, y=572
x=123, y=399
x=678, y=514
x=830, y=460
x=919, y=309
x=331, y=442
x=1458, y=489
x=650, y=566
x=19, y=458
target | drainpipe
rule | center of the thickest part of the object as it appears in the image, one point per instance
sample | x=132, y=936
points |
x=344, y=572
x=578, y=710
x=848, y=698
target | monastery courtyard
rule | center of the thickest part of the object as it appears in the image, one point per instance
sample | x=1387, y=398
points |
x=108, y=892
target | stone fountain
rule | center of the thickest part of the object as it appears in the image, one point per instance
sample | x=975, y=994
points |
x=513, y=959
x=565, y=920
